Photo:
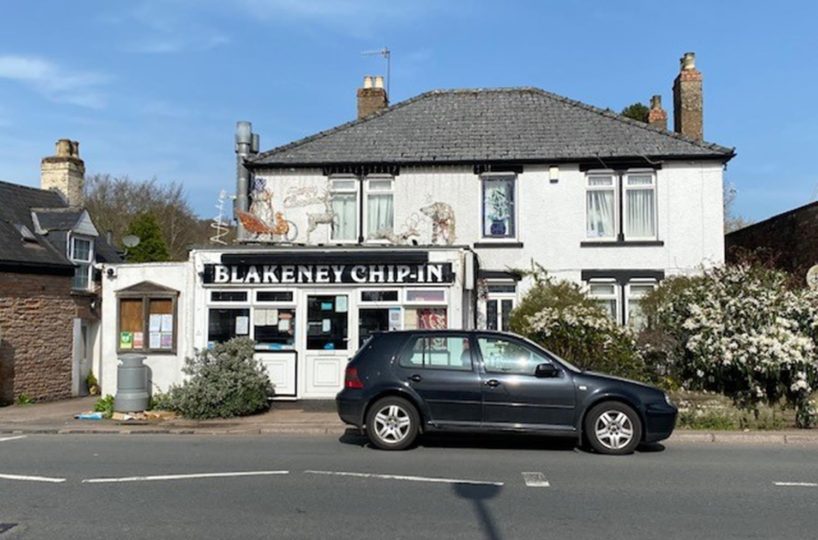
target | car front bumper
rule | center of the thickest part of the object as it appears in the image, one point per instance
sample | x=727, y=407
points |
x=660, y=421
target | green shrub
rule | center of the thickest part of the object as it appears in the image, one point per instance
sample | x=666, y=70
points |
x=559, y=316
x=223, y=382
x=105, y=405
x=92, y=383
x=24, y=399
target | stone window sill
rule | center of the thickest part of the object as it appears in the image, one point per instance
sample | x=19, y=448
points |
x=623, y=243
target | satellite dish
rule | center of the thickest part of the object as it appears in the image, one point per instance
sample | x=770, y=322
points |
x=812, y=278
x=130, y=241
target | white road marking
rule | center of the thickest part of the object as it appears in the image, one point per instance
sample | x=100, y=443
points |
x=796, y=484
x=406, y=478
x=32, y=478
x=535, y=479
x=4, y=439
x=180, y=477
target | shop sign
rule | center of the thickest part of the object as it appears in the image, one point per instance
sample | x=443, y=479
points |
x=299, y=274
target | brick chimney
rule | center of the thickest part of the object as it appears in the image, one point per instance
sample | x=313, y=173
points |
x=687, y=99
x=657, y=117
x=372, y=97
x=65, y=172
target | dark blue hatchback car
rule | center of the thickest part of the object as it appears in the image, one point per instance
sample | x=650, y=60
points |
x=400, y=384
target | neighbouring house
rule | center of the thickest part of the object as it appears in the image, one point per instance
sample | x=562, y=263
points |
x=50, y=306
x=422, y=214
x=788, y=241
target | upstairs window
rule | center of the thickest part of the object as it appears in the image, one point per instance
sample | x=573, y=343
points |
x=82, y=254
x=601, y=207
x=621, y=206
x=640, y=206
x=344, y=205
x=499, y=206
x=380, y=212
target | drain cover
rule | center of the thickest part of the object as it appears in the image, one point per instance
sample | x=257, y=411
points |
x=4, y=527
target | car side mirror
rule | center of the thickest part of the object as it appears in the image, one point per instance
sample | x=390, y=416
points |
x=546, y=371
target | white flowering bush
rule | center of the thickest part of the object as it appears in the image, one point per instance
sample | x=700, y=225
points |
x=560, y=317
x=743, y=331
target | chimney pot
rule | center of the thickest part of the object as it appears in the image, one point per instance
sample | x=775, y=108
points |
x=378, y=81
x=688, y=61
x=367, y=81
x=656, y=102
x=64, y=148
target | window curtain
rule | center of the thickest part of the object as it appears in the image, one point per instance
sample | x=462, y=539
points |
x=379, y=214
x=641, y=213
x=498, y=207
x=600, y=214
x=345, y=220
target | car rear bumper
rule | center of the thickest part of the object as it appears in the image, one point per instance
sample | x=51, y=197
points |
x=661, y=419
x=350, y=409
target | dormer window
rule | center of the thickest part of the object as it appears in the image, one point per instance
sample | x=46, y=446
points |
x=81, y=253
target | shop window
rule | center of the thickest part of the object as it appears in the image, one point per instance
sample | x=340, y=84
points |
x=425, y=318
x=274, y=328
x=147, y=319
x=380, y=212
x=82, y=255
x=426, y=295
x=228, y=296
x=344, y=204
x=327, y=322
x=498, y=204
x=379, y=296
x=224, y=324
x=380, y=319
x=449, y=353
x=274, y=296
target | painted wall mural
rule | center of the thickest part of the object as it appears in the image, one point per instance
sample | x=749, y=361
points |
x=262, y=221
x=310, y=196
x=443, y=222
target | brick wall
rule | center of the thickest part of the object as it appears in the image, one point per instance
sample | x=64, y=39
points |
x=789, y=240
x=36, y=336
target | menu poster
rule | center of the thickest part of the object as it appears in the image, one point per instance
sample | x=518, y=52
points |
x=166, y=340
x=394, y=318
x=126, y=340
x=155, y=322
x=272, y=317
x=341, y=303
x=138, y=340
x=167, y=323
x=283, y=325
x=242, y=325
x=326, y=325
x=153, y=340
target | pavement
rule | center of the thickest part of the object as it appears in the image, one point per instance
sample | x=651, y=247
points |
x=457, y=487
x=303, y=417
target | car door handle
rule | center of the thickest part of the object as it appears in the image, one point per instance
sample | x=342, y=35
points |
x=493, y=383
x=415, y=378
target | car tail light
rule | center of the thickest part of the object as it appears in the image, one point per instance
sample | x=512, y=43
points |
x=351, y=379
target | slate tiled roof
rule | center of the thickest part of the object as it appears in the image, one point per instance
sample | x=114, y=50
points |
x=54, y=218
x=504, y=124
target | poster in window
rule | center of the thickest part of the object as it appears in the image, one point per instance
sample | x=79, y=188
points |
x=272, y=317
x=326, y=325
x=242, y=325
x=167, y=323
x=154, y=340
x=166, y=341
x=341, y=304
x=155, y=322
x=394, y=319
x=326, y=306
x=138, y=340
x=126, y=340
x=283, y=325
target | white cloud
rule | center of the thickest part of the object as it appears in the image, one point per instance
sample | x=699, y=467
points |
x=56, y=83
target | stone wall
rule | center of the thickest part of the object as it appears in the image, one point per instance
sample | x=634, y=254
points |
x=789, y=241
x=36, y=336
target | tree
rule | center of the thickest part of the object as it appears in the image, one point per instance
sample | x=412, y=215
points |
x=115, y=202
x=732, y=222
x=636, y=111
x=151, y=247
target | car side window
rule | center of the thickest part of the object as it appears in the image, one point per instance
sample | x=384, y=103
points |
x=504, y=356
x=450, y=352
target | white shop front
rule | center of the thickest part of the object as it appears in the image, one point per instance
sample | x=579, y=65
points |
x=307, y=309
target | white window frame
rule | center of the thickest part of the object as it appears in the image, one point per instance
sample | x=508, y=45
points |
x=616, y=295
x=499, y=297
x=614, y=186
x=629, y=296
x=273, y=303
x=642, y=187
x=369, y=190
x=355, y=189
x=515, y=211
x=89, y=262
x=383, y=303
x=422, y=303
x=228, y=303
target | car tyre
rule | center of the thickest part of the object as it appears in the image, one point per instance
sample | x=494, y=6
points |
x=392, y=423
x=613, y=428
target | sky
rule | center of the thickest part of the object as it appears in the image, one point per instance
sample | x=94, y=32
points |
x=154, y=88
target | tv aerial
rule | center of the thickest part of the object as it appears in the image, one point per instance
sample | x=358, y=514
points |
x=386, y=54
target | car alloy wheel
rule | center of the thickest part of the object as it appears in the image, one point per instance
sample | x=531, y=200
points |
x=392, y=423
x=613, y=428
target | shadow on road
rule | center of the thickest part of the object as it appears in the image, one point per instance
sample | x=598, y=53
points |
x=486, y=441
x=478, y=495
